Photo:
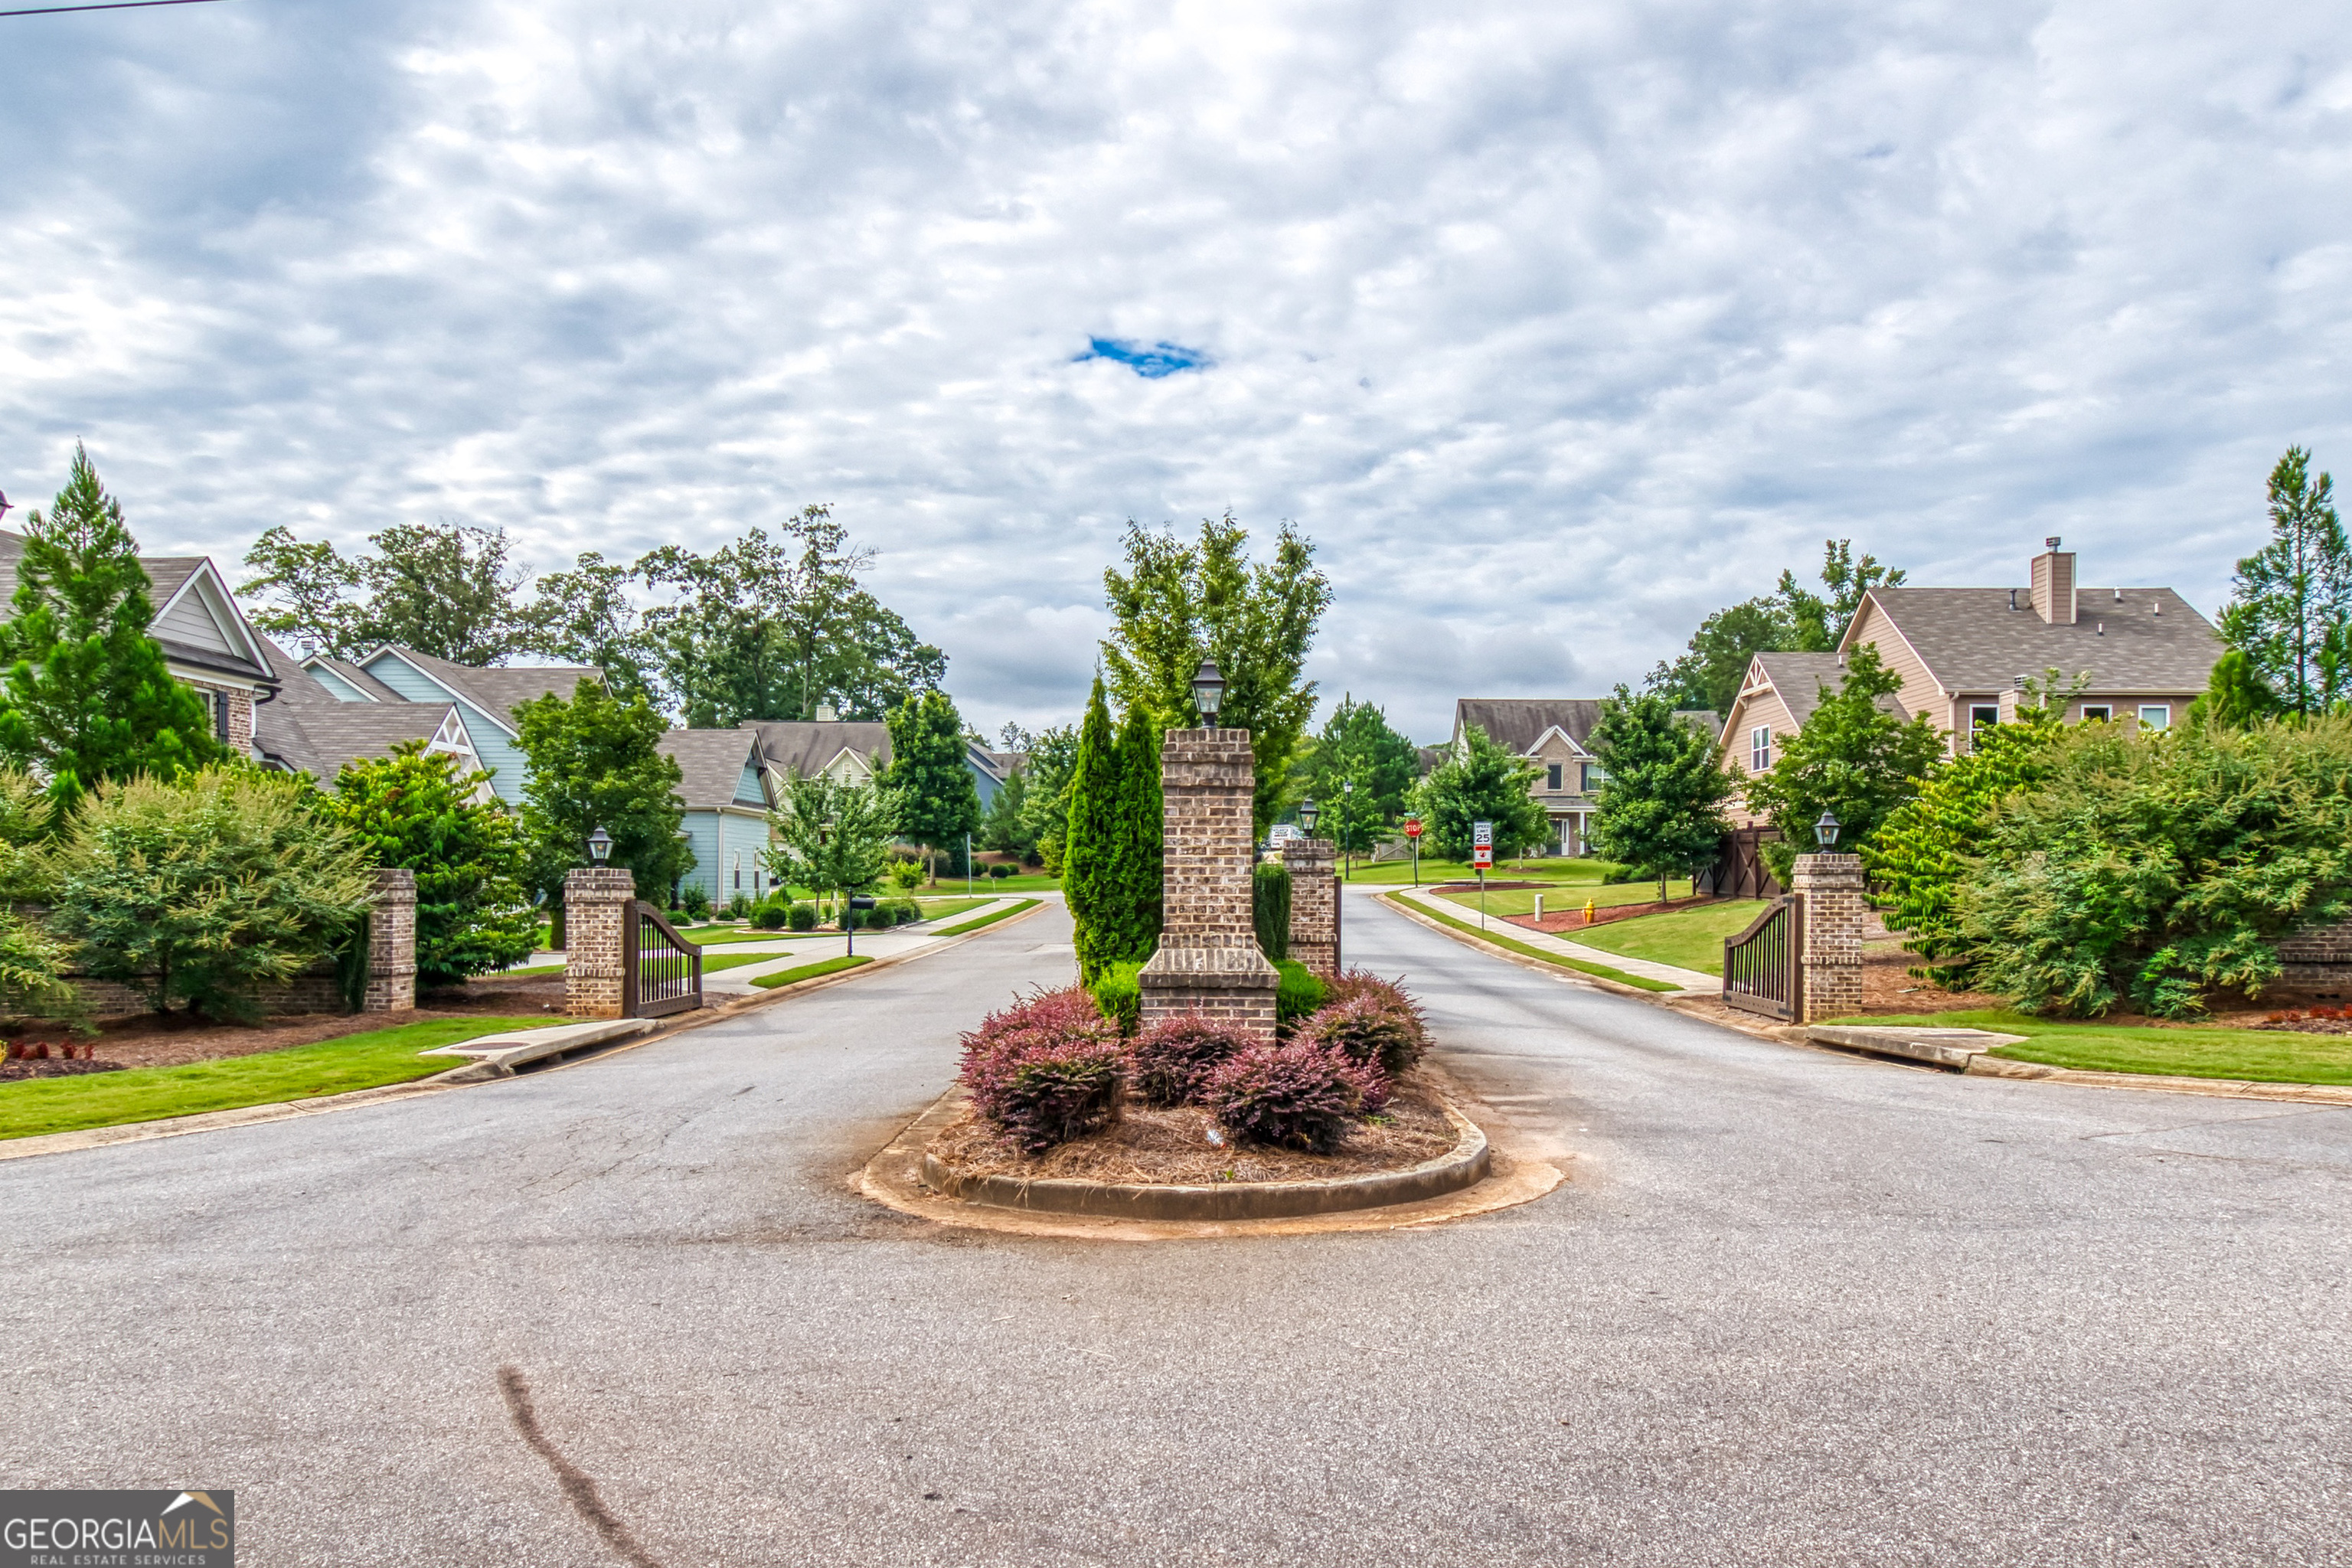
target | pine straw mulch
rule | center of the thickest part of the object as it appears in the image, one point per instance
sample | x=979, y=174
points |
x=175, y=1039
x=1151, y=1146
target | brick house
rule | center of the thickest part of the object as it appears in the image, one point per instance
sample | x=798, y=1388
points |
x=2143, y=654
x=1553, y=733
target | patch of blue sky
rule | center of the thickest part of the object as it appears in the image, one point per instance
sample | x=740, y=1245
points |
x=1159, y=360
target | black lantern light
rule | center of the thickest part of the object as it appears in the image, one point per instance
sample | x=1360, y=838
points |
x=1307, y=814
x=1208, y=691
x=600, y=846
x=1825, y=832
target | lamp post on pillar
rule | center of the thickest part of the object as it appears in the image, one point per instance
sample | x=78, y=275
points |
x=1830, y=897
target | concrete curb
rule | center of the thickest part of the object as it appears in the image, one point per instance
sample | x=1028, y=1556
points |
x=1954, y=1049
x=1561, y=971
x=1464, y=1165
x=475, y=1072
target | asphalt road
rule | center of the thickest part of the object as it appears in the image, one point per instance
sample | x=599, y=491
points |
x=1791, y=1308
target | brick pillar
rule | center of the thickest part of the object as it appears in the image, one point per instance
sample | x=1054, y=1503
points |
x=596, y=902
x=1208, y=961
x=392, y=944
x=1830, y=887
x=1314, y=904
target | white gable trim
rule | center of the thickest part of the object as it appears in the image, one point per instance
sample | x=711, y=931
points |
x=1549, y=730
x=318, y=669
x=219, y=606
x=453, y=739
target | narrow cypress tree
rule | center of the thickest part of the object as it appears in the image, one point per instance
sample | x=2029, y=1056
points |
x=1141, y=854
x=1090, y=864
x=88, y=698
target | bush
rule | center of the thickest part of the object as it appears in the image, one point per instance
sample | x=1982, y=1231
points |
x=1294, y=1096
x=906, y=873
x=1119, y=995
x=999, y=871
x=207, y=888
x=739, y=908
x=1362, y=983
x=695, y=902
x=1616, y=874
x=1170, y=1062
x=906, y=911
x=1366, y=1030
x=1298, y=992
x=1045, y=1070
x=881, y=917
x=1270, y=908
x=801, y=917
x=771, y=916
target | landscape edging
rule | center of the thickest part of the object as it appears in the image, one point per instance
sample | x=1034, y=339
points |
x=1464, y=1165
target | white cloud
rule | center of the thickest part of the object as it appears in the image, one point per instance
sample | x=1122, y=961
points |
x=1554, y=326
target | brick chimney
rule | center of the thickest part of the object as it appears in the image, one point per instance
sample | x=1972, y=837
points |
x=2053, y=584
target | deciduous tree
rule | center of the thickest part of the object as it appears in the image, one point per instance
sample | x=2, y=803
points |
x=447, y=590
x=596, y=761
x=1662, y=806
x=1853, y=759
x=1482, y=782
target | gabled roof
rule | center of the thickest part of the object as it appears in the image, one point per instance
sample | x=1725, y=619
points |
x=172, y=578
x=1972, y=641
x=803, y=749
x=1516, y=723
x=711, y=763
x=318, y=738
x=352, y=675
x=495, y=692
x=1799, y=679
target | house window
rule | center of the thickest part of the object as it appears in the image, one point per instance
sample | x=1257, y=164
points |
x=1983, y=716
x=220, y=715
x=1589, y=776
x=2098, y=713
x=1760, y=749
x=1551, y=778
x=2156, y=716
x=738, y=870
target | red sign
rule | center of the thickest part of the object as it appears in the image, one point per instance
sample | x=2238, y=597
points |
x=1413, y=827
x=1483, y=857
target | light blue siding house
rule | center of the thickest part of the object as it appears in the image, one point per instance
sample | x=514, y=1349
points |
x=727, y=794
x=485, y=700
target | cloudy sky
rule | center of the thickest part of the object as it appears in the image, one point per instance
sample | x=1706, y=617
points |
x=1554, y=325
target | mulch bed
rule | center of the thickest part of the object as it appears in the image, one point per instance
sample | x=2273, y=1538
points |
x=10, y=1072
x=1573, y=919
x=1171, y=1147
x=176, y=1039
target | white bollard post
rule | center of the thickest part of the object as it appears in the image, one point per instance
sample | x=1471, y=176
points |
x=1538, y=910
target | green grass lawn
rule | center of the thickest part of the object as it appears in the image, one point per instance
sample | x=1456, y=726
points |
x=2264, y=1055
x=1497, y=935
x=34, y=1106
x=714, y=962
x=1552, y=869
x=1522, y=900
x=809, y=970
x=1692, y=939
x=942, y=909
x=1005, y=914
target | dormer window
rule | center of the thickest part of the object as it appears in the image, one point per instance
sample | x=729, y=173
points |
x=1760, y=749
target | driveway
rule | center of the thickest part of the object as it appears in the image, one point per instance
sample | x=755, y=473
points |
x=1789, y=1308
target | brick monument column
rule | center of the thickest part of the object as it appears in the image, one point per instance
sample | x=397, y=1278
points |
x=597, y=900
x=392, y=946
x=1314, y=904
x=1208, y=961
x=1831, y=888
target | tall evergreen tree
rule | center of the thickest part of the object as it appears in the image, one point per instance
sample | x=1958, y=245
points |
x=1136, y=914
x=929, y=781
x=85, y=696
x=2294, y=595
x=1090, y=859
x=1662, y=806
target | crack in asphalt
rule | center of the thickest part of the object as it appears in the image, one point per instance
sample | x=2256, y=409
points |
x=579, y=1488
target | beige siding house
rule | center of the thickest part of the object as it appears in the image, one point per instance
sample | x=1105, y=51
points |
x=1553, y=733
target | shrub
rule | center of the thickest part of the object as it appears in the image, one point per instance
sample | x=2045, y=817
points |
x=1169, y=1063
x=801, y=917
x=999, y=871
x=206, y=888
x=1367, y=1030
x=906, y=873
x=1045, y=1070
x=1270, y=908
x=907, y=912
x=771, y=916
x=1294, y=1096
x=881, y=917
x=1354, y=983
x=739, y=908
x=695, y=902
x=1118, y=993
x=1298, y=992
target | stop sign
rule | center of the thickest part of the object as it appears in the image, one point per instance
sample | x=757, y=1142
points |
x=1413, y=827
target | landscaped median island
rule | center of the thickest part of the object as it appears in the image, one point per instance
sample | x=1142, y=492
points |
x=810, y=971
x=366, y=1060
x=990, y=919
x=1496, y=933
x=2277, y=1053
x=1193, y=1118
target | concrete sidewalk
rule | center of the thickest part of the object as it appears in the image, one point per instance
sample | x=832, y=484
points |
x=1671, y=975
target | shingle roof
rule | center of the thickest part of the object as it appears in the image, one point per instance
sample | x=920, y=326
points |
x=498, y=692
x=1799, y=678
x=1972, y=641
x=318, y=738
x=711, y=762
x=166, y=575
x=800, y=749
x=1516, y=723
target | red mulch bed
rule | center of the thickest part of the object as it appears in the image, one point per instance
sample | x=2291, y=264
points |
x=1573, y=919
x=175, y=1039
